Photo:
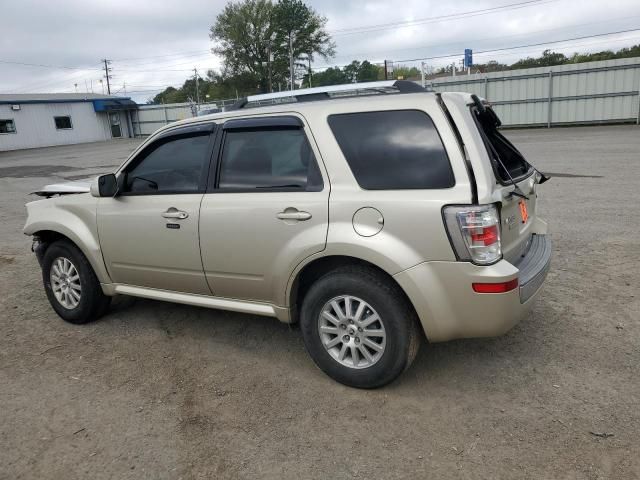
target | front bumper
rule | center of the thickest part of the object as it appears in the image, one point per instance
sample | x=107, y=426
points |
x=447, y=306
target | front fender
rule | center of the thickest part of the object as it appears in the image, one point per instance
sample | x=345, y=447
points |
x=73, y=216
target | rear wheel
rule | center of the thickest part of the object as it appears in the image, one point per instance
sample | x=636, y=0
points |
x=358, y=327
x=71, y=285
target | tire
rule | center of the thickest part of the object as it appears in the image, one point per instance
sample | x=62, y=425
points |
x=71, y=285
x=395, y=332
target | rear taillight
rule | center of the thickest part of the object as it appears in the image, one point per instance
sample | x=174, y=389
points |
x=474, y=232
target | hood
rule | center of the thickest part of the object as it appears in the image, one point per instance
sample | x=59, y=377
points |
x=78, y=186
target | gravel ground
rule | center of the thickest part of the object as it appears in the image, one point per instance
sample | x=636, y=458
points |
x=159, y=391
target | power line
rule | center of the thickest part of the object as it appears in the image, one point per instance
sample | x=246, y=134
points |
x=440, y=18
x=521, y=46
x=10, y=62
x=159, y=56
x=479, y=52
x=533, y=32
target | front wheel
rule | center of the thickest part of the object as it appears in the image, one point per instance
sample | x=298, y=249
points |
x=71, y=285
x=359, y=328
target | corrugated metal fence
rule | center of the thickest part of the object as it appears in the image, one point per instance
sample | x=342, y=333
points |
x=593, y=92
x=149, y=118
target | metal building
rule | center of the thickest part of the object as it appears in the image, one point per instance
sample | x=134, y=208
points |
x=42, y=120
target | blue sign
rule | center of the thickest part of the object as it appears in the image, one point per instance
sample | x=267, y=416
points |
x=468, y=57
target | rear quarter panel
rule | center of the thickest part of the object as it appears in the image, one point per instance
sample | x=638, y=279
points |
x=413, y=230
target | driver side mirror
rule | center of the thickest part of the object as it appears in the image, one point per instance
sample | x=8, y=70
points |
x=105, y=186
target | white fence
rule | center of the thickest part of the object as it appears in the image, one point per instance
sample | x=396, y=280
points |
x=595, y=92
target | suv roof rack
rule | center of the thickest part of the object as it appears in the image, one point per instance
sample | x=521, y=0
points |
x=328, y=92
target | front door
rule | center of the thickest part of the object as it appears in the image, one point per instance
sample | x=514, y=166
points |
x=149, y=231
x=266, y=212
x=114, y=121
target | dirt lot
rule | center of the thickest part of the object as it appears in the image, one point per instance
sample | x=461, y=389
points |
x=161, y=391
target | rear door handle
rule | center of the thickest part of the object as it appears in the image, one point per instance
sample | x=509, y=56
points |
x=175, y=213
x=293, y=215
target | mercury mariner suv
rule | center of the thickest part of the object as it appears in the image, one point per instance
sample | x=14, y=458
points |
x=369, y=213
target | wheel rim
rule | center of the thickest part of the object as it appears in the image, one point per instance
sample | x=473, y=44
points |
x=352, y=332
x=65, y=283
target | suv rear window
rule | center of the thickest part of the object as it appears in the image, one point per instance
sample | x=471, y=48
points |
x=508, y=163
x=393, y=150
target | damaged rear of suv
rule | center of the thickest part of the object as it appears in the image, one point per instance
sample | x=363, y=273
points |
x=367, y=213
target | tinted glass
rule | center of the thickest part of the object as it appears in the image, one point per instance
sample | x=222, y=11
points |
x=173, y=165
x=269, y=158
x=62, y=123
x=393, y=150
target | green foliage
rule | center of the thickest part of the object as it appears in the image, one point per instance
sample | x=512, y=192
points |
x=352, y=73
x=254, y=36
x=405, y=73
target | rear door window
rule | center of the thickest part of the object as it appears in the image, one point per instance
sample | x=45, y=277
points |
x=263, y=159
x=393, y=150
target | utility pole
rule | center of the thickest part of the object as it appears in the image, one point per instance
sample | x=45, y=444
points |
x=386, y=75
x=195, y=71
x=291, y=59
x=107, y=69
x=422, y=72
x=310, y=72
x=269, y=60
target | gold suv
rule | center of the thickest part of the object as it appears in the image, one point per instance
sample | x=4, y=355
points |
x=368, y=213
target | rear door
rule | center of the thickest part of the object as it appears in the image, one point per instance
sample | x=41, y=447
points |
x=266, y=209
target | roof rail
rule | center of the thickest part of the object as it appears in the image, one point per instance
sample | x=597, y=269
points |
x=328, y=92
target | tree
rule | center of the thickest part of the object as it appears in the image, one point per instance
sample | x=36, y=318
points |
x=300, y=33
x=253, y=37
x=243, y=33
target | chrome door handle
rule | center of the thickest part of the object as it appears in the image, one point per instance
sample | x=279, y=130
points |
x=293, y=215
x=175, y=213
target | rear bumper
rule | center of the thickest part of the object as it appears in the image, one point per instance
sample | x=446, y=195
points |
x=447, y=306
x=534, y=266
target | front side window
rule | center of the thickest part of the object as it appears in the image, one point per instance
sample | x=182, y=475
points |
x=393, y=150
x=170, y=165
x=7, y=126
x=271, y=158
x=63, y=123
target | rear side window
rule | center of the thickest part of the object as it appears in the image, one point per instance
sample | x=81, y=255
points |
x=393, y=150
x=268, y=159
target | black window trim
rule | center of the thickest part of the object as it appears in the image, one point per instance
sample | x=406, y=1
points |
x=165, y=137
x=12, y=120
x=280, y=122
x=444, y=147
x=253, y=123
x=63, y=116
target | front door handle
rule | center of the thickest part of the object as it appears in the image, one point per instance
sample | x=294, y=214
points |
x=293, y=214
x=175, y=213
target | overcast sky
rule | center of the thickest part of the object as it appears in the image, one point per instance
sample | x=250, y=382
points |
x=154, y=44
